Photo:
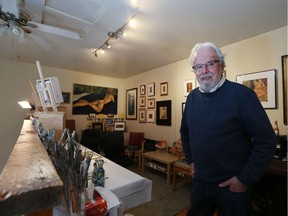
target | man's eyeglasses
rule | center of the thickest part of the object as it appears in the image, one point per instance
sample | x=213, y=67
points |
x=210, y=65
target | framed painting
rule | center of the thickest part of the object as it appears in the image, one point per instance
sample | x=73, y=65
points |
x=163, y=112
x=189, y=85
x=284, y=60
x=263, y=83
x=131, y=104
x=142, y=101
x=142, y=115
x=66, y=97
x=163, y=88
x=119, y=126
x=150, y=116
x=151, y=89
x=142, y=89
x=94, y=99
x=151, y=103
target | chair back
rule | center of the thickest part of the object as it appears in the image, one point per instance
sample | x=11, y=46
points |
x=91, y=139
x=136, y=139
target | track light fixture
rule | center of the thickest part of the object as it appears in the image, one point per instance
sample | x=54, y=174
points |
x=108, y=45
x=113, y=35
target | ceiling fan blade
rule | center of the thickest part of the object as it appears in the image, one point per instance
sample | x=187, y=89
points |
x=40, y=41
x=27, y=31
x=57, y=31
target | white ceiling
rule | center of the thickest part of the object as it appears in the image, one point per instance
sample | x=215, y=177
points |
x=166, y=31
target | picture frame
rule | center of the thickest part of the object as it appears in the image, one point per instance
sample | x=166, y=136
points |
x=163, y=88
x=189, y=85
x=183, y=107
x=150, y=116
x=142, y=89
x=142, y=101
x=131, y=104
x=151, y=103
x=263, y=83
x=284, y=61
x=92, y=97
x=97, y=125
x=119, y=126
x=142, y=115
x=66, y=97
x=163, y=112
x=151, y=89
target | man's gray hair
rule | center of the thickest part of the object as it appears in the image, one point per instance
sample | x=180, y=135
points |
x=195, y=49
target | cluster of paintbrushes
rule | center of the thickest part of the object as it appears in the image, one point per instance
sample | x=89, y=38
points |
x=70, y=164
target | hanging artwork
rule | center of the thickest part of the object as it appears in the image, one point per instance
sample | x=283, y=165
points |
x=131, y=104
x=163, y=112
x=94, y=99
x=263, y=83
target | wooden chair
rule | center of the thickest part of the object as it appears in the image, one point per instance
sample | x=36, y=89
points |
x=135, y=146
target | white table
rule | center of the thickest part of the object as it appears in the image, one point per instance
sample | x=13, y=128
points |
x=130, y=188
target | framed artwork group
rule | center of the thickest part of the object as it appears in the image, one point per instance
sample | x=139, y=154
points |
x=147, y=103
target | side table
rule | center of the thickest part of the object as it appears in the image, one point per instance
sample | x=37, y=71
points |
x=161, y=161
x=183, y=169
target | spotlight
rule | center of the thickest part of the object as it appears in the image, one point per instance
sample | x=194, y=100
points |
x=122, y=33
x=132, y=23
x=108, y=45
x=24, y=104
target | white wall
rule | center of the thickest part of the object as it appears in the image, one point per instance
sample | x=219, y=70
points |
x=259, y=53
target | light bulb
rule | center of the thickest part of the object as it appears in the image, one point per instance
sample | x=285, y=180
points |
x=132, y=23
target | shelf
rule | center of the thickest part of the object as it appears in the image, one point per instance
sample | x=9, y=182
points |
x=156, y=166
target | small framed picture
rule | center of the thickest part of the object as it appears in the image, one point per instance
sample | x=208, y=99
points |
x=163, y=112
x=142, y=115
x=142, y=89
x=131, y=104
x=150, y=116
x=151, y=103
x=66, y=97
x=164, y=88
x=151, y=89
x=142, y=102
x=189, y=85
x=119, y=126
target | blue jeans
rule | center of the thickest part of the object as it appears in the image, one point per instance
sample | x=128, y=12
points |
x=207, y=197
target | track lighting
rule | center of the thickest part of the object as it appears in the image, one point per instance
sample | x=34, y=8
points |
x=113, y=35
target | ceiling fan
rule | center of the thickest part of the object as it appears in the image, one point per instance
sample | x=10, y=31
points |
x=21, y=23
x=18, y=26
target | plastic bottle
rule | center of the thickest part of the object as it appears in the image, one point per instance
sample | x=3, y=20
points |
x=98, y=176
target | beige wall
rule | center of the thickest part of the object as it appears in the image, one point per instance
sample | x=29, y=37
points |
x=259, y=53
